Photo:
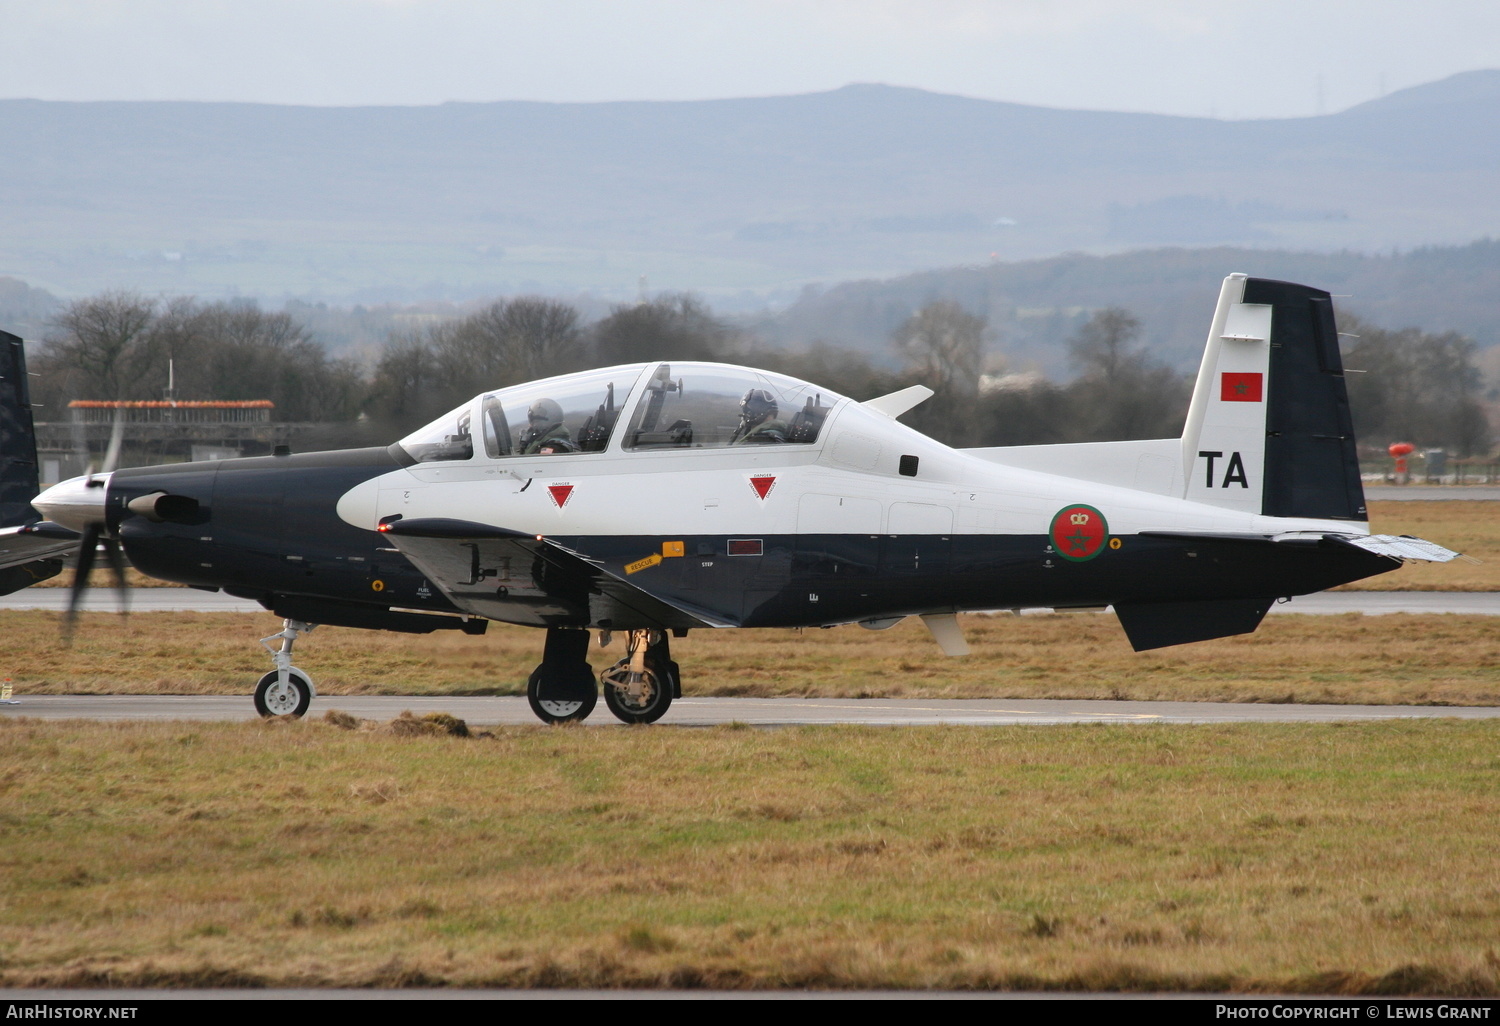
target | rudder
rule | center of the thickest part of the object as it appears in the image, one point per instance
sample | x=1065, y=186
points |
x=1312, y=464
x=18, y=466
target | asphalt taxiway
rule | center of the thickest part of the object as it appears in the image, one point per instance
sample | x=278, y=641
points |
x=756, y=712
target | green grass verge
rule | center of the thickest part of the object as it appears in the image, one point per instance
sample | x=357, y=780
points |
x=1255, y=858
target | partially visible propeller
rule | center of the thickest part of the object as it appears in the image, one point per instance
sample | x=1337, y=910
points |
x=95, y=539
x=85, y=502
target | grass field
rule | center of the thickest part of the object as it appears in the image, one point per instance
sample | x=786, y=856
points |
x=1436, y=659
x=1352, y=859
x=1470, y=527
x=1259, y=858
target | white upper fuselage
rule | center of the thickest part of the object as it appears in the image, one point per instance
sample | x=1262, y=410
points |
x=846, y=482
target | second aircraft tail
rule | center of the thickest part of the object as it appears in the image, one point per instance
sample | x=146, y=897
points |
x=18, y=468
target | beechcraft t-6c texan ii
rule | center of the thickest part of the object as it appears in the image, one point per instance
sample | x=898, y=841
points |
x=654, y=499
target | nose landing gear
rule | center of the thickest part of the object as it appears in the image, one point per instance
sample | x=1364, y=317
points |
x=286, y=690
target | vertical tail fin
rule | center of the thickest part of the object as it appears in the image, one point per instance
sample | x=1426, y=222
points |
x=1269, y=430
x=18, y=469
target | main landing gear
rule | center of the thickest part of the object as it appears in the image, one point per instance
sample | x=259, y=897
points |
x=637, y=689
x=640, y=687
x=562, y=689
x=286, y=690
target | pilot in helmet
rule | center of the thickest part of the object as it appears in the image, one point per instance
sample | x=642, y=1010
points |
x=758, y=423
x=545, y=431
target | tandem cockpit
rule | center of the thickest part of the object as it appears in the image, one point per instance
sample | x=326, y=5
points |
x=638, y=407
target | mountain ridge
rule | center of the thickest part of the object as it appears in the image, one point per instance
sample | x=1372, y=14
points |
x=746, y=200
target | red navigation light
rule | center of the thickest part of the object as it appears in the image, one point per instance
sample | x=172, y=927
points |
x=1402, y=449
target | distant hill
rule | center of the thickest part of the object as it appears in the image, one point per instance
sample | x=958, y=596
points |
x=740, y=199
x=1034, y=306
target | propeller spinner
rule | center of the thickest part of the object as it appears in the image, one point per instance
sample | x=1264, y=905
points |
x=78, y=504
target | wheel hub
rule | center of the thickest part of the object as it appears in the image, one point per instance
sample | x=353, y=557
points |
x=560, y=709
x=283, y=699
x=633, y=690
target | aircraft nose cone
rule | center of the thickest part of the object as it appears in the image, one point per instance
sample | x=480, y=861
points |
x=75, y=503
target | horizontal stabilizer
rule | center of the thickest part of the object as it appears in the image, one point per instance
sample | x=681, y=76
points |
x=1159, y=624
x=1397, y=546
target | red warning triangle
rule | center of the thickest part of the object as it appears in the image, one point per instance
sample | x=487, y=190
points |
x=560, y=494
x=762, y=484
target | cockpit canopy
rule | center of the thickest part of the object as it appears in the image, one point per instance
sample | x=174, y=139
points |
x=667, y=406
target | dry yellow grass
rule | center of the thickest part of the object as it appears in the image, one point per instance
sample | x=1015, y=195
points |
x=1354, y=859
x=102, y=578
x=1453, y=660
x=1470, y=527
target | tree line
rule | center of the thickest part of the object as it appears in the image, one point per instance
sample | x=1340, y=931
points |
x=1411, y=385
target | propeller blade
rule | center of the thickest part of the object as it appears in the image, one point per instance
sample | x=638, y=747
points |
x=116, y=438
x=87, y=551
x=116, y=561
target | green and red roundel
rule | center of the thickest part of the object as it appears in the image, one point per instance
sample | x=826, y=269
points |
x=1079, y=532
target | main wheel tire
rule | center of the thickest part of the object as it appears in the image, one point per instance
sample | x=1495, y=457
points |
x=572, y=706
x=272, y=699
x=645, y=708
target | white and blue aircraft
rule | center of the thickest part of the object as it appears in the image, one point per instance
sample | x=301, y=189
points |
x=654, y=499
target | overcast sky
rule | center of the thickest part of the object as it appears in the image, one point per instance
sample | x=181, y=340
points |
x=1226, y=58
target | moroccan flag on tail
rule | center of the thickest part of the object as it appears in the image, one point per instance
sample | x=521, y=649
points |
x=1241, y=388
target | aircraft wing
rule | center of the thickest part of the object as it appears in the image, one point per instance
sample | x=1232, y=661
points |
x=32, y=553
x=525, y=579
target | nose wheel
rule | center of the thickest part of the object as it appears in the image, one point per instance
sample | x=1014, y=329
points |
x=289, y=697
x=286, y=690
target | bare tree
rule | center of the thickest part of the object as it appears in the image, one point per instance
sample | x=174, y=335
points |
x=117, y=346
x=509, y=342
x=1103, y=346
x=1121, y=393
x=945, y=343
x=423, y=373
x=670, y=327
x=405, y=391
x=1416, y=386
x=104, y=348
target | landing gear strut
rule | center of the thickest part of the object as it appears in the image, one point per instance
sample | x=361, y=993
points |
x=286, y=690
x=562, y=689
x=640, y=687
